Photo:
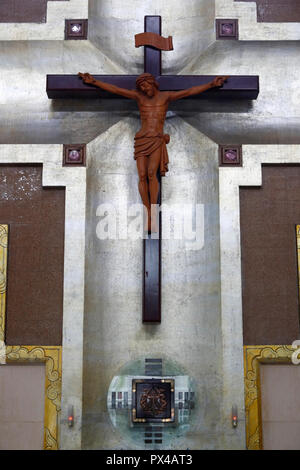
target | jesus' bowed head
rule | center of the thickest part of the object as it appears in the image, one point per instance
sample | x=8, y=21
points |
x=150, y=151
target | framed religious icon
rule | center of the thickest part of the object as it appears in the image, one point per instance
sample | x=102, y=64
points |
x=153, y=400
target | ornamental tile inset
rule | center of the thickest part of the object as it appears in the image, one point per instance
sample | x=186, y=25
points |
x=227, y=29
x=230, y=155
x=153, y=400
x=74, y=155
x=76, y=29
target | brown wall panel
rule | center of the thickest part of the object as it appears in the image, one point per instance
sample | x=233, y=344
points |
x=269, y=215
x=35, y=258
x=23, y=11
x=277, y=11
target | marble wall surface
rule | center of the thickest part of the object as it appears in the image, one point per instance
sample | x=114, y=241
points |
x=113, y=24
x=28, y=116
x=190, y=331
x=52, y=29
x=249, y=28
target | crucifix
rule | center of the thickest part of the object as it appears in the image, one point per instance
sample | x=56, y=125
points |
x=153, y=93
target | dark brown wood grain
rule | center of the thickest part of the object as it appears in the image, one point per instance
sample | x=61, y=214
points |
x=152, y=248
x=238, y=87
x=152, y=281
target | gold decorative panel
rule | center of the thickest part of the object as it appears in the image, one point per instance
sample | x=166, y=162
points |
x=253, y=357
x=3, y=276
x=51, y=356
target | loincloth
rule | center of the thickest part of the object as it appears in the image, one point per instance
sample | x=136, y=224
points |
x=144, y=147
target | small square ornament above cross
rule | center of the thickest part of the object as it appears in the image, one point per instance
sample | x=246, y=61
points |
x=76, y=29
x=227, y=29
x=74, y=155
x=230, y=155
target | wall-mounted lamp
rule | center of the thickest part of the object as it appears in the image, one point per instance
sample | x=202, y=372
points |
x=234, y=416
x=70, y=416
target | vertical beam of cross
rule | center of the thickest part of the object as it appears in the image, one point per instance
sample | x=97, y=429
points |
x=152, y=247
x=152, y=57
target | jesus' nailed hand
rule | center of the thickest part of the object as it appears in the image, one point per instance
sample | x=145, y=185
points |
x=150, y=151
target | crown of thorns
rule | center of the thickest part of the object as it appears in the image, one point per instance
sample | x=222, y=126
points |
x=146, y=77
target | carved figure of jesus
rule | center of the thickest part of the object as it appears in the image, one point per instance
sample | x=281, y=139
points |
x=150, y=151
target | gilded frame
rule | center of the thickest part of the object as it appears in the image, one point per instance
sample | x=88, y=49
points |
x=50, y=355
x=3, y=276
x=253, y=357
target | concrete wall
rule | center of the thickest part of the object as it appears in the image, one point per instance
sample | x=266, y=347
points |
x=273, y=118
x=53, y=29
x=190, y=331
x=249, y=28
x=27, y=116
x=113, y=24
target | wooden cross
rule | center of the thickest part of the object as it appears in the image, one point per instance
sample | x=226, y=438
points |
x=71, y=86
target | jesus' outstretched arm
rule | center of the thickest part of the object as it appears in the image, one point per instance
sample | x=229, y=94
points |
x=195, y=90
x=90, y=80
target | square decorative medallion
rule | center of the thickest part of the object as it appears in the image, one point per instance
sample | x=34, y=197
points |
x=227, y=29
x=74, y=155
x=153, y=400
x=76, y=29
x=230, y=155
